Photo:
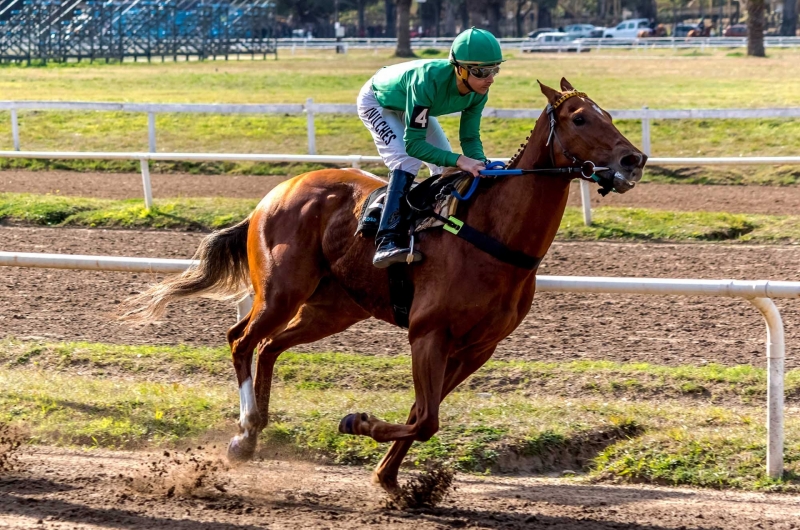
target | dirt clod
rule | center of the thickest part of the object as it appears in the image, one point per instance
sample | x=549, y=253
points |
x=183, y=473
x=427, y=489
x=10, y=441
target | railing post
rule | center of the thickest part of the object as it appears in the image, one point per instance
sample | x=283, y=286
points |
x=243, y=307
x=15, y=129
x=148, y=190
x=586, y=201
x=151, y=131
x=776, y=351
x=312, y=135
x=645, y=131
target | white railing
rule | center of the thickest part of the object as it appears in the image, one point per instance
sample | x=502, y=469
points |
x=350, y=160
x=645, y=114
x=758, y=293
x=444, y=43
x=585, y=45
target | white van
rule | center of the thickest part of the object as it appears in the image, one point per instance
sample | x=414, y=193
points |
x=627, y=29
x=551, y=38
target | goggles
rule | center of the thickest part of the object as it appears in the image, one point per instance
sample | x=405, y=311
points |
x=482, y=72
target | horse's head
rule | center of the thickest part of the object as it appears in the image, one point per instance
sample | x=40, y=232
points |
x=583, y=132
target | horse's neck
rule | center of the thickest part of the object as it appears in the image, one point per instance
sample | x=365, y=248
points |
x=524, y=212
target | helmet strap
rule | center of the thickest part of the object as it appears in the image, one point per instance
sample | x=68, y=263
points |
x=463, y=76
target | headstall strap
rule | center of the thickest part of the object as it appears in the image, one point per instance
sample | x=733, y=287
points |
x=566, y=96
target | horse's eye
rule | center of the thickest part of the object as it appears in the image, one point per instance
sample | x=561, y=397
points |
x=578, y=120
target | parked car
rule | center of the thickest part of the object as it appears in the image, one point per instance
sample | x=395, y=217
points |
x=578, y=31
x=535, y=33
x=627, y=29
x=553, y=41
x=682, y=30
x=597, y=33
x=737, y=30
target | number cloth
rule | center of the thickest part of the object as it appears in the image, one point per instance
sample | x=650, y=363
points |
x=422, y=90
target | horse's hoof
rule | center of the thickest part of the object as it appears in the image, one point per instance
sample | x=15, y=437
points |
x=348, y=423
x=388, y=485
x=241, y=448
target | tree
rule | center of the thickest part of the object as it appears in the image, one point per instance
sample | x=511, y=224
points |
x=523, y=9
x=544, y=16
x=755, y=28
x=391, y=18
x=403, y=32
x=789, y=22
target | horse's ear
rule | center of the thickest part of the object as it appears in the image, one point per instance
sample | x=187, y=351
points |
x=551, y=94
x=565, y=85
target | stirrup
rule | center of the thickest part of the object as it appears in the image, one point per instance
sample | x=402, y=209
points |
x=392, y=253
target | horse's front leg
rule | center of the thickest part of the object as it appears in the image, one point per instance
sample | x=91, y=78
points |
x=429, y=354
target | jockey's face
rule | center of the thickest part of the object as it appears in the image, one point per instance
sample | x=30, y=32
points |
x=479, y=85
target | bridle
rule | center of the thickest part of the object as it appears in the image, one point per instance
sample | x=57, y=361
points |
x=586, y=170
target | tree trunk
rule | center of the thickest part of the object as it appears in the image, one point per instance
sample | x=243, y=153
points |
x=477, y=13
x=403, y=33
x=520, y=18
x=494, y=13
x=544, y=19
x=464, y=12
x=789, y=22
x=362, y=25
x=391, y=18
x=449, y=19
x=755, y=28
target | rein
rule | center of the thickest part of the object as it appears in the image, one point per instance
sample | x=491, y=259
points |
x=585, y=170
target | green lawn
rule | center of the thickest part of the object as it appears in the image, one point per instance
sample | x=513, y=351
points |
x=213, y=213
x=121, y=396
x=614, y=79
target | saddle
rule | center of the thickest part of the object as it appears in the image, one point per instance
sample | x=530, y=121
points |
x=430, y=204
x=431, y=195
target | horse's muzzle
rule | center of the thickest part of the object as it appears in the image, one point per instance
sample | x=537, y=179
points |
x=622, y=184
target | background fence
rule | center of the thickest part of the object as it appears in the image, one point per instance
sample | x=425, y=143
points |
x=645, y=115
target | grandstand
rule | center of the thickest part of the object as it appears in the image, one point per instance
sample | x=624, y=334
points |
x=43, y=31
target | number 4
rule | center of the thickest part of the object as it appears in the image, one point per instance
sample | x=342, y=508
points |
x=422, y=118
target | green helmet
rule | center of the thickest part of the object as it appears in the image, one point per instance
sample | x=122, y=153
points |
x=475, y=47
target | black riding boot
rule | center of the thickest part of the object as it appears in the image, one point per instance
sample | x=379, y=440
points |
x=391, y=233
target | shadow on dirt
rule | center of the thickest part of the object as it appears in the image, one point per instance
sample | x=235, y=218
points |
x=579, y=495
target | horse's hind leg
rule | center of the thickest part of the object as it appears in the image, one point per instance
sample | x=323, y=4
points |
x=280, y=291
x=329, y=311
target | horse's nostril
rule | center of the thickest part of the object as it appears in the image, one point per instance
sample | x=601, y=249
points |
x=631, y=161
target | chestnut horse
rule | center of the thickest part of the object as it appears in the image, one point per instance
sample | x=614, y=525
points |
x=312, y=278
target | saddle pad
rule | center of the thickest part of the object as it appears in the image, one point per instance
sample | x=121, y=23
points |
x=444, y=205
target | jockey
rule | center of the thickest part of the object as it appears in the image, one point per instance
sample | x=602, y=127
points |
x=399, y=105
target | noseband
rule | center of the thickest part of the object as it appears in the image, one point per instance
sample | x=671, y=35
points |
x=587, y=170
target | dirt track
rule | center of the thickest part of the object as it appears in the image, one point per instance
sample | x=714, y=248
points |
x=55, y=488
x=735, y=199
x=91, y=490
x=75, y=305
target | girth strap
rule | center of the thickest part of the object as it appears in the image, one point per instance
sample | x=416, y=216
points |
x=401, y=293
x=488, y=244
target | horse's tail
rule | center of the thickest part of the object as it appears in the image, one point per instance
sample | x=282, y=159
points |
x=223, y=273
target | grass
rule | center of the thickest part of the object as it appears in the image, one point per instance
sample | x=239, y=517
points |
x=192, y=214
x=213, y=213
x=664, y=441
x=615, y=80
x=660, y=79
x=306, y=371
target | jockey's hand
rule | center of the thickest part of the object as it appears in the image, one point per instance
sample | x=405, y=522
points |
x=470, y=165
